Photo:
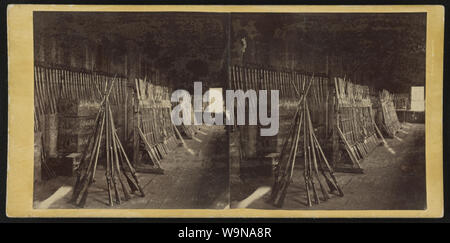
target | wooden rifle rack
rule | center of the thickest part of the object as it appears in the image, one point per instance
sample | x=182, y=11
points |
x=355, y=126
x=145, y=130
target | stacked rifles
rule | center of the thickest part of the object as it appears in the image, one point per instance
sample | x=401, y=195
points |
x=355, y=124
x=313, y=156
x=155, y=127
x=389, y=120
x=119, y=171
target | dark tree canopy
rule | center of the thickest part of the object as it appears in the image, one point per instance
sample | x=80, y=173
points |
x=384, y=50
x=185, y=46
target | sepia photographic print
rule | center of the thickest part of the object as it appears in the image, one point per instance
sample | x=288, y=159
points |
x=278, y=111
x=351, y=110
x=110, y=135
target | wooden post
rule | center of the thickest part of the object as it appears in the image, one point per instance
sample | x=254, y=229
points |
x=333, y=107
x=135, y=130
x=125, y=118
x=132, y=75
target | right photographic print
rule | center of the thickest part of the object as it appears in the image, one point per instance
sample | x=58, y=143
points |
x=333, y=106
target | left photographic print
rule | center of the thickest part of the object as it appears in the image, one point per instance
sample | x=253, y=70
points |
x=103, y=134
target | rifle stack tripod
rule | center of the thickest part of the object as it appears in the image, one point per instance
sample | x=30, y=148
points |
x=314, y=158
x=119, y=171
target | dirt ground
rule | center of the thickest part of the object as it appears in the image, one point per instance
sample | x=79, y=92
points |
x=191, y=180
x=394, y=178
